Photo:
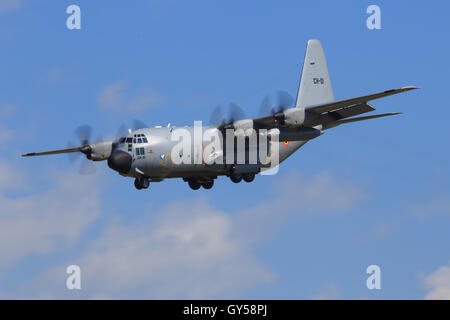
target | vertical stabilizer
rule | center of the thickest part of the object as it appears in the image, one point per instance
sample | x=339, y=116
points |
x=315, y=86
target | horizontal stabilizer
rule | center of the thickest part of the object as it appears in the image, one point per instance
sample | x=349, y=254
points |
x=339, y=122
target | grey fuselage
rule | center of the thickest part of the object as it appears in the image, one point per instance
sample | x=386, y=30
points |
x=156, y=160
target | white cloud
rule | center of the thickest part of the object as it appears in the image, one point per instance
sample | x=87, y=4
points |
x=191, y=249
x=433, y=206
x=55, y=75
x=329, y=292
x=185, y=251
x=294, y=194
x=114, y=97
x=438, y=284
x=44, y=221
x=10, y=177
x=6, y=109
x=111, y=96
x=5, y=135
x=10, y=5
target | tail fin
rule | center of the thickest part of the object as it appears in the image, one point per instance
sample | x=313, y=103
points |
x=315, y=86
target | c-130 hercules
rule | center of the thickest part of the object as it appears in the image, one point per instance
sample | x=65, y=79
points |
x=147, y=154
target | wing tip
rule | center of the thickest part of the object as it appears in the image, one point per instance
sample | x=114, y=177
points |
x=407, y=88
x=402, y=89
x=28, y=154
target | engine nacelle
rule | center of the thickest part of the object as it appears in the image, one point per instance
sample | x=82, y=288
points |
x=243, y=124
x=243, y=127
x=294, y=134
x=294, y=116
x=100, y=151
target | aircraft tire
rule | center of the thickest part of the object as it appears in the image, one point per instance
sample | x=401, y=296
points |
x=144, y=183
x=236, y=178
x=248, y=177
x=137, y=184
x=208, y=185
x=194, y=185
x=141, y=183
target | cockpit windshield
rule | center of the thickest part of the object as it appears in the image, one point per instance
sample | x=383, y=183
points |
x=140, y=138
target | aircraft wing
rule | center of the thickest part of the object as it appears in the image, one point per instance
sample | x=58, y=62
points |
x=327, y=107
x=332, y=114
x=68, y=150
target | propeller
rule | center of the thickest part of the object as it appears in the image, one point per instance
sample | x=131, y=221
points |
x=123, y=129
x=236, y=112
x=139, y=124
x=285, y=101
x=217, y=117
x=83, y=133
x=266, y=106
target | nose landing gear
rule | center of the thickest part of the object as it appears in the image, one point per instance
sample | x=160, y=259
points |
x=141, y=183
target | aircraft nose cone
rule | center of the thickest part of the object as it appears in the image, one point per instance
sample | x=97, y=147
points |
x=120, y=161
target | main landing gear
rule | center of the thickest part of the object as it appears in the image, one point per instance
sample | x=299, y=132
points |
x=247, y=177
x=141, y=183
x=195, y=184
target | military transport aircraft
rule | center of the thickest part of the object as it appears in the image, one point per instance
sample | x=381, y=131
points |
x=148, y=154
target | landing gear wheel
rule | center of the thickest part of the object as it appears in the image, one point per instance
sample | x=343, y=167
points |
x=208, y=185
x=141, y=183
x=248, y=177
x=236, y=178
x=137, y=184
x=195, y=185
x=145, y=183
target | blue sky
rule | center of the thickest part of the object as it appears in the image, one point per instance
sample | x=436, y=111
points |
x=374, y=192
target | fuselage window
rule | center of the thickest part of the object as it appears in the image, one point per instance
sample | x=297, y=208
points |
x=140, y=151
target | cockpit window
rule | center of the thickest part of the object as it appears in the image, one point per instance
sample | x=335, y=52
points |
x=122, y=140
x=138, y=138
